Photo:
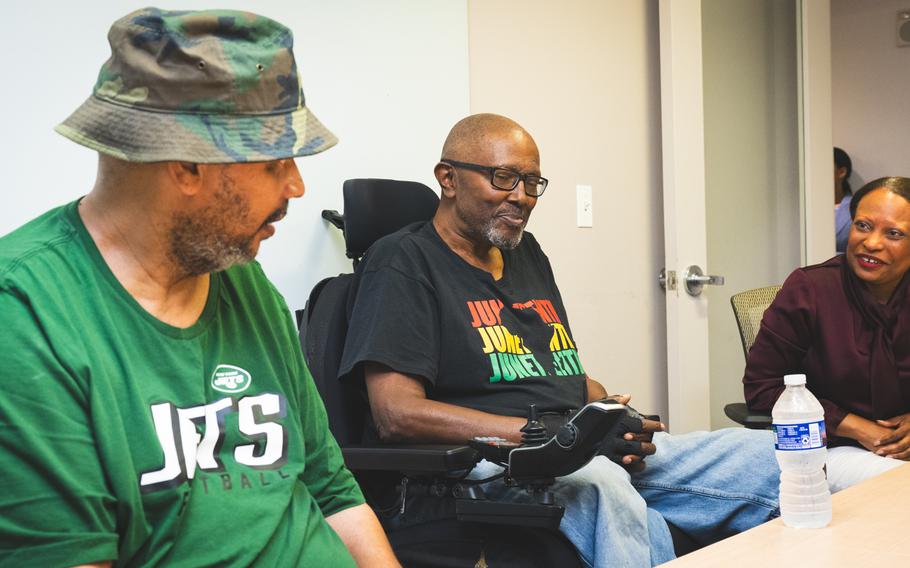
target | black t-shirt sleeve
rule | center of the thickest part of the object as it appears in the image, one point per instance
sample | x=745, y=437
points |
x=394, y=321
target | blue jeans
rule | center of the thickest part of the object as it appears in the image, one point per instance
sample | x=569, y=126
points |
x=711, y=485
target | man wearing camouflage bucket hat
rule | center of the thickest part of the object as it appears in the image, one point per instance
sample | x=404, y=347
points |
x=158, y=408
x=204, y=87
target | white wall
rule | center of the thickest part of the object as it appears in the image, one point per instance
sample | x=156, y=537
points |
x=870, y=88
x=583, y=77
x=389, y=78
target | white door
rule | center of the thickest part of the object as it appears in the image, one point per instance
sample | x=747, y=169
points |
x=745, y=111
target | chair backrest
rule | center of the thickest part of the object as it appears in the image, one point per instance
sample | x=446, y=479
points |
x=749, y=307
x=373, y=208
x=322, y=340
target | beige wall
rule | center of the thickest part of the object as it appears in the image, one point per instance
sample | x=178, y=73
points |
x=751, y=167
x=583, y=77
x=870, y=79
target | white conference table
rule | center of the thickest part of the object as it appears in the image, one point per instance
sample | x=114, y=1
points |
x=870, y=527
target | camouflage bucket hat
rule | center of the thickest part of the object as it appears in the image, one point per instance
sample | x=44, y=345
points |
x=215, y=86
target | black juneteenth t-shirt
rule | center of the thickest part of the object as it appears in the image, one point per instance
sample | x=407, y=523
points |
x=495, y=346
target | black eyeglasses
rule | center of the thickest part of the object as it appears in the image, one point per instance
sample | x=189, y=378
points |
x=506, y=180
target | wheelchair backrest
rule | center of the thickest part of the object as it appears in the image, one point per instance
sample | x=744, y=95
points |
x=373, y=208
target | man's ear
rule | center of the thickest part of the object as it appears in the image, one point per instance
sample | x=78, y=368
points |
x=445, y=175
x=187, y=176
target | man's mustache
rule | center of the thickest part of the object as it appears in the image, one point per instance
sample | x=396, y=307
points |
x=277, y=215
x=513, y=210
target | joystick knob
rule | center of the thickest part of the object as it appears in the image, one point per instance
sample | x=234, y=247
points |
x=533, y=433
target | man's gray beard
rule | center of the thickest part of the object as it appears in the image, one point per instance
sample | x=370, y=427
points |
x=197, y=248
x=498, y=239
x=201, y=242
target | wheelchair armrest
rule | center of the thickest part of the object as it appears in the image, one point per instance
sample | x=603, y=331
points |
x=426, y=458
x=572, y=446
x=471, y=503
x=740, y=413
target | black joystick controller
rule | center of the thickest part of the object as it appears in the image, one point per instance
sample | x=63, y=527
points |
x=533, y=433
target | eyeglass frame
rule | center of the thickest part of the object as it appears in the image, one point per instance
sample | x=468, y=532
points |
x=491, y=170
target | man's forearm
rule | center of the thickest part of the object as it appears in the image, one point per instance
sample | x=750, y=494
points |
x=403, y=413
x=362, y=534
x=434, y=422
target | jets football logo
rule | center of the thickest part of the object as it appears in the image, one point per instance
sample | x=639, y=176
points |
x=230, y=379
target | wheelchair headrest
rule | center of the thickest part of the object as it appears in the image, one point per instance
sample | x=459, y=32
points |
x=374, y=208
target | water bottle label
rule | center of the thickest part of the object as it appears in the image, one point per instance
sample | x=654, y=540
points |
x=806, y=436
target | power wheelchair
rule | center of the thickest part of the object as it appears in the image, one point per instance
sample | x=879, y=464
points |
x=467, y=529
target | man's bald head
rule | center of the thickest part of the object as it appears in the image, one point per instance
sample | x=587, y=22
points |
x=479, y=148
x=474, y=133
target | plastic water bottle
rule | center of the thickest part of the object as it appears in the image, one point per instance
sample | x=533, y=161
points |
x=801, y=448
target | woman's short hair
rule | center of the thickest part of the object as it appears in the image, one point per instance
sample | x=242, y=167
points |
x=898, y=185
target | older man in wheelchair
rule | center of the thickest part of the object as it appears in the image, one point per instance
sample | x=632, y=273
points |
x=457, y=335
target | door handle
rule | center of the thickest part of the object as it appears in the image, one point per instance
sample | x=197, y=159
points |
x=696, y=280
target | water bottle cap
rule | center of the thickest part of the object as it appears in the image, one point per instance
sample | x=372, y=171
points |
x=794, y=379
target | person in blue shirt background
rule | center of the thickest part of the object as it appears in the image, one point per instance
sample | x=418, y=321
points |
x=843, y=168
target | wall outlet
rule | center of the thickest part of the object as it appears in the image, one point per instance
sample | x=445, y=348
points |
x=585, y=204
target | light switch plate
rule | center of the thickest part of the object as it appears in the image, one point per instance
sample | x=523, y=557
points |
x=585, y=204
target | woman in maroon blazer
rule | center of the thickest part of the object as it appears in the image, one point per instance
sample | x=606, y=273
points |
x=845, y=323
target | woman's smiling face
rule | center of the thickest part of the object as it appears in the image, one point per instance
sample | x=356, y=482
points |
x=878, y=250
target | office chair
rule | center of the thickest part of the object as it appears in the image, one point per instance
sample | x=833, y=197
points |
x=749, y=307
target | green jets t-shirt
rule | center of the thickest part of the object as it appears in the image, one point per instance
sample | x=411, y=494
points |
x=123, y=438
